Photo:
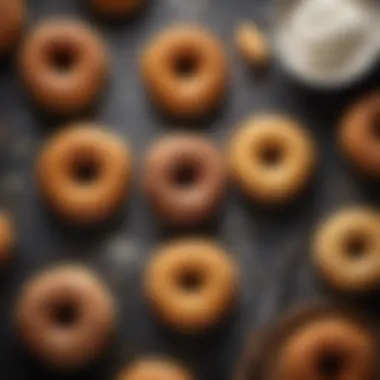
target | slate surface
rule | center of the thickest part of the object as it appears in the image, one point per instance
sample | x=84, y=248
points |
x=271, y=246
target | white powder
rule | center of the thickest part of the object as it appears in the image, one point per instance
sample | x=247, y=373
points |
x=329, y=41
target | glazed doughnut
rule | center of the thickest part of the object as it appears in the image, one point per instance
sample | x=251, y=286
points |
x=12, y=19
x=7, y=238
x=360, y=134
x=64, y=65
x=184, y=178
x=271, y=158
x=84, y=172
x=185, y=71
x=327, y=349
x=191, y=284
x=153, y=369
x=347, y=250
x=65, y=316
x=116, y=8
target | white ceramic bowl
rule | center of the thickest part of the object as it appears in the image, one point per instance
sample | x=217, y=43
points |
x=352, y=72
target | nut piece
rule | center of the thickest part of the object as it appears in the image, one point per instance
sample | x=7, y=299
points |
x=252, y=44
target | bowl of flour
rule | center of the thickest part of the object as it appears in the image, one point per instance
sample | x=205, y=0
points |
x=327, y=43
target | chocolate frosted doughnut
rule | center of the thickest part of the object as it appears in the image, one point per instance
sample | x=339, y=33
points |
x=184, y=178
x=360, y=134
x=185, y=71
x=12, y=18
x=64, y=65
x=84, y=171
x=191, y=284
x=65, y=316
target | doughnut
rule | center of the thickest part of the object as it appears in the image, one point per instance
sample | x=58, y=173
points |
x=116, y=8
x=65, y=316
x=252, y=44
x=153, y=369
x=359, y=134
x=327, y=349
x=185, y=71
x=346, y=250
x=191, y=284
x=64, y=65
x=84, y=172
x=12, y=19
x=184, y=178
x=7, y=238
x=271, y=158
x=314, y=341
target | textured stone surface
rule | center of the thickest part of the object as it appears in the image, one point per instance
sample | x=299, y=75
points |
x=271, y=246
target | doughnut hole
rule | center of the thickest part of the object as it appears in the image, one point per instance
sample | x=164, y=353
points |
x=64, y=314
x=85, y=169
x=190, y=280
x=186, y=64
x=356, y=247
x=62, y=57
x=185, y=174
x=330, y=366
x=271, y=155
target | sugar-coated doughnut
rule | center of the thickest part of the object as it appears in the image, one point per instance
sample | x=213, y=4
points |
x=271, y=158
x=185, y=71
x=184, y=178
x=12, y=19
x=191, y=284
x=359, y=134
x=84, y=172
x=64, y=65
x=346, y=250
x=65, y=316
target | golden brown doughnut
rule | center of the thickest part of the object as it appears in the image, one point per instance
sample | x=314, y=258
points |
x=185, y=71
x=185, y=178
x=153, y=369
x=347, y=249
x=12, y=19
x=65, y=316
x=116, y=8
x=191, y=283
x=271, y=158
x=64, y=65
x=84, y=172
x=266, y=353
x=7, y=238
x=360, y=134
x=327, y=349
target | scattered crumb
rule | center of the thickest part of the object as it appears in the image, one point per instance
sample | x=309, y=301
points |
x=252, y=44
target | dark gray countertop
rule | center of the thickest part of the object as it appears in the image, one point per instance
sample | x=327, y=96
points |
x=271, y=246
